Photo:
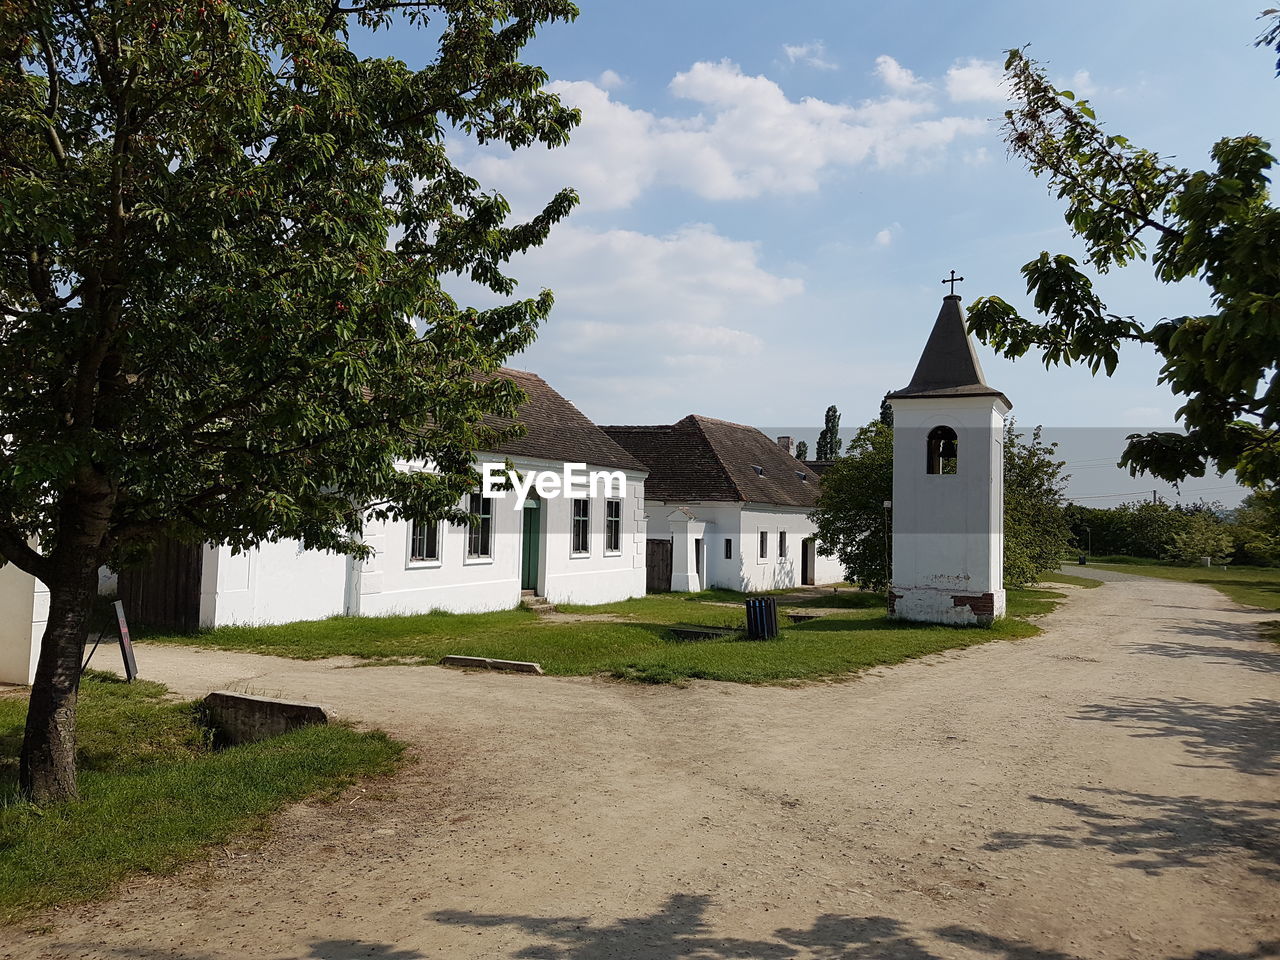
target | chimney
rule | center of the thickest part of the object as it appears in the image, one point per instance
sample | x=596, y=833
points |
x=785, y=444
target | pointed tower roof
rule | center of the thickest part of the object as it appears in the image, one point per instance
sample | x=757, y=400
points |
x=949, y=365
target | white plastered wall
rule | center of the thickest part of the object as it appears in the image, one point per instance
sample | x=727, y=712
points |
x=948, y=529
x=24, y=601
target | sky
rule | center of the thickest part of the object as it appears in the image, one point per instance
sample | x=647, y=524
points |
x=772, y=193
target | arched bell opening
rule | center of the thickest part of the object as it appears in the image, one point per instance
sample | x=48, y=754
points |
x=943, y=451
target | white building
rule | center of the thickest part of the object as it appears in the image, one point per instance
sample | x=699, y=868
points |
x=948, y=484
x=588, y=549
x=24, y=601
x=728, y=506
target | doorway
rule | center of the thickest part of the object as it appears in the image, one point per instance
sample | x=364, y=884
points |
x=531, y=544
x=808, y=560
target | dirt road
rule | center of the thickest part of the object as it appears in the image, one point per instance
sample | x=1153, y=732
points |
x=1106, y=790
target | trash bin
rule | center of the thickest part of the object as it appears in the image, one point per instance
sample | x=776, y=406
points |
x=1083, y=559
x=762, y=618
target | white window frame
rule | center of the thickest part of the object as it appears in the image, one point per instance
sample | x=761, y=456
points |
x=762, y=548
x=615, y=523
x=573, y=527
x=472, y=527
x=412, y=562
x=782, y=544
x=728, y=548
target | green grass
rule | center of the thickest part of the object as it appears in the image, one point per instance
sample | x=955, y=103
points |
x=1089, y=583
x=639, y=647
x=1252, y=586
x=153, y=793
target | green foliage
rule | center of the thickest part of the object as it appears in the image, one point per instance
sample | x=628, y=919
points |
x=850, y=517
x=1203, y=536
x=225, y=235
x=802, y=450
x=829, y=441
x=1143, y=529
x=154, y=795
x=1126, y=204
x=1036, y=534
x=1255, y=529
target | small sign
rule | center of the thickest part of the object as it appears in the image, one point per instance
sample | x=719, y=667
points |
x=126, y=645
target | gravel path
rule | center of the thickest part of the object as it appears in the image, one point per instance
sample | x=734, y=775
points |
x=1106, y=790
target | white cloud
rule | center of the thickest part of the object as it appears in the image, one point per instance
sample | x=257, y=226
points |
x=974, y=79
x=810, y=54
x=897, y=77
x=886, y=236
x=610, y=80
x=747, y=139
x=1082, y=84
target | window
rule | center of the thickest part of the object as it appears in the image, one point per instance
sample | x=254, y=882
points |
x=728, y=548
x=782, y=544
x=424, y=541
x=613, y=526
x=697, y=557
x=942, y=451
x=581, y=526
x=480, y=530
x=764, y=544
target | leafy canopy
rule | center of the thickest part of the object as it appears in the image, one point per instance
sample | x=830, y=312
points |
x=224, y=240
x=1129, y=204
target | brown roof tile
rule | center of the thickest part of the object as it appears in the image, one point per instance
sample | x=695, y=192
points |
x=701, y=458
x=557, y=430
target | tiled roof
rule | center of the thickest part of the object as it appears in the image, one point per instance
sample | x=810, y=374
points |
x=700, y=458
x=557, y=430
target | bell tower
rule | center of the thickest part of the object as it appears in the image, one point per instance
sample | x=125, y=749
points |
x=948, y=483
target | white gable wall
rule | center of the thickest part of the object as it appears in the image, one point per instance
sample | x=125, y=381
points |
x=741, y=523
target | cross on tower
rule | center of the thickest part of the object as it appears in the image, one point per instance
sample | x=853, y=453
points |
x=953, y=280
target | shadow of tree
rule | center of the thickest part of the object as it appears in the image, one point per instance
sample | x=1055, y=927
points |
x=680, y=929
x=1155, y=833
x=1239, y=735
x=1263, y=659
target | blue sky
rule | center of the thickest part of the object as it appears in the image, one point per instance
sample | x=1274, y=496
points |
x=772, y=193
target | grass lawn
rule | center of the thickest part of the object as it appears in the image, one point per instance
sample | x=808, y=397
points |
x=153, y=794
x=1253, y=586
x=637, y=648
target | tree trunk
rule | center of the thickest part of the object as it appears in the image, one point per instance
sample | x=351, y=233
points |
x=47, y=772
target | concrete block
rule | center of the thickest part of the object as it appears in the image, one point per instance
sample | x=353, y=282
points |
x=244, y=718
x=486, y=663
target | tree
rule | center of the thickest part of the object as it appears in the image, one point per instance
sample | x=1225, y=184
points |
x=850, y=517
x=220, y=228
x=1203, y=536
x=829, y=441
x=1255, y=528
x=1036, y=535
x=886, y=412
x=802, y=450
x=851, y=522
x=1127, y=203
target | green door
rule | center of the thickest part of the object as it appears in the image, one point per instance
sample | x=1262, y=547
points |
x=531, y=546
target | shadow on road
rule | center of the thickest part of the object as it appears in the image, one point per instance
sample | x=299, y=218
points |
x=680, y=929
x=1240, y=735
x=1154, y=833
x=1263, y=658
